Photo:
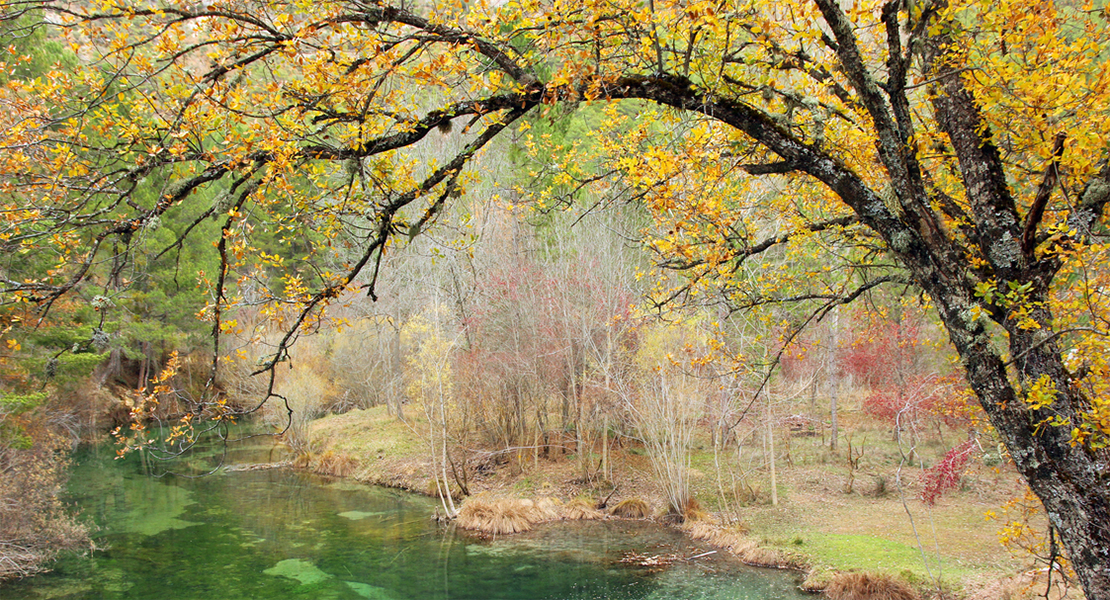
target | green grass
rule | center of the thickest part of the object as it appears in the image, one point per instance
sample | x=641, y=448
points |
x=864, y=552
x=366, y=434
x=870, y=553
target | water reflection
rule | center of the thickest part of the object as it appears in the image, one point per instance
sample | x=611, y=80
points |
x=275, y=534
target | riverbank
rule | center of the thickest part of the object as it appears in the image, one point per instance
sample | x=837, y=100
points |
x=829, y=519
x=286, y=534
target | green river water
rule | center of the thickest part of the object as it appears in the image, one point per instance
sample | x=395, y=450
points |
x=278, y=534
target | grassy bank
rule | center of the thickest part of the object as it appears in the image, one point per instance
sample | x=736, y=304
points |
x=821, y=524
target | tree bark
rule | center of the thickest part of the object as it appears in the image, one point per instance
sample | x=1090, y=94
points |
x=1071, y=481
x=832, y=372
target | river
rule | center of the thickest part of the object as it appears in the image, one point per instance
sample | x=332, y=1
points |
x=280, y=534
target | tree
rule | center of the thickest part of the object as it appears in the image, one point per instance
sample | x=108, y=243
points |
x=891, y=356
x=663, y=394
x=954, y=147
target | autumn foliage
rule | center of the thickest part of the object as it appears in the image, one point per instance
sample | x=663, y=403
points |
x=789, y=158
x=946, y=474
x=901, y=368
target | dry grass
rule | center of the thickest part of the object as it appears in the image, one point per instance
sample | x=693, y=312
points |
x=580, y=509
x=693, y=511
x=335, y=464
x=868, y=586
x=1030, y=585
x=502, y=516
x=735, y=541
x=632, y=508
x=547, y=509
x=496, y=516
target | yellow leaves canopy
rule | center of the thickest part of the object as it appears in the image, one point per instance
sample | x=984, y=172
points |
x=786, y=152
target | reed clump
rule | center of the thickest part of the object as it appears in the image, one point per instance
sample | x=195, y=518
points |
x=632, y=508
x=580, y=509
x=335, y=464
x=545, y=509
x=868, y=586
x=693, y=511
x=502, y=516
x=689, y=510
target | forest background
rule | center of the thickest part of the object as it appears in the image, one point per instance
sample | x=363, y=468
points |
x=153, y=178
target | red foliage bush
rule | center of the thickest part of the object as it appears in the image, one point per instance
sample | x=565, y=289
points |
x=904, y=401
x=946, y=474
x=884, y=352
x=907, y=381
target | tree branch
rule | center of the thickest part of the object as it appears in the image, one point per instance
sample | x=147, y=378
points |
x=385, y=230
x=1036, y=212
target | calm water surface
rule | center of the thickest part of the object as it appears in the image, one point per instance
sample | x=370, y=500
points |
x=278, y=535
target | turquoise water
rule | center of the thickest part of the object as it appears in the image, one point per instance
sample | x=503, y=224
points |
x=277, y=534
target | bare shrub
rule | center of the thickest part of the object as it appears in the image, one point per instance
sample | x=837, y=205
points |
x=632, y=508
x=868, y=586
x=663, y=395
x=304, y=392
x=432, y=384
x=34, y=525
x=366, y=357
x=665, y=414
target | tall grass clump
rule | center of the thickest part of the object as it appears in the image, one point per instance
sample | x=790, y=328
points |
x=632, y=508
x=502, y=516
x=868, y=586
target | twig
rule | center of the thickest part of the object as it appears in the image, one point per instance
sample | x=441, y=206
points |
x=605, y=502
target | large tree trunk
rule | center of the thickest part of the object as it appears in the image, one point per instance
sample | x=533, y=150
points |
x=1071, y=481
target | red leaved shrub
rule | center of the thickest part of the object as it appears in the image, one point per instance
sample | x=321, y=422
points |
x=946, y=474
